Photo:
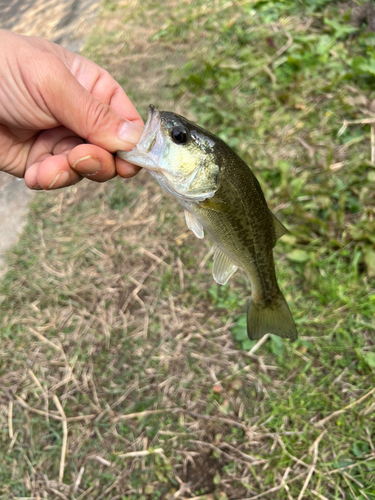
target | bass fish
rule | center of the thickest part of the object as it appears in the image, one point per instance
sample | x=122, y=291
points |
x=221, y=196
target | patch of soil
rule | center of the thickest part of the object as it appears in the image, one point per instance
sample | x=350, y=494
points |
x=200, y=473
x=364, y=14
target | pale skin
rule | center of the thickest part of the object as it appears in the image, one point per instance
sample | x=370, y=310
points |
x=62, y=117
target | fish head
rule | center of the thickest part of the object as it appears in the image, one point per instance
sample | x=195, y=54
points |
x=179, y=154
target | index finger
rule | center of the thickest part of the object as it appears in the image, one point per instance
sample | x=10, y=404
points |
x=103, y=87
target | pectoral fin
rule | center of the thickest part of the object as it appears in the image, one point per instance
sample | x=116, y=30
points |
x=223, y=267
x=214, y=204
x=194, y=225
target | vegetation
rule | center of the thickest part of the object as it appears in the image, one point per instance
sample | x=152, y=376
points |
x=126, y=372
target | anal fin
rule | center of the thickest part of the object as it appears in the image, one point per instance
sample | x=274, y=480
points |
x=223, y=267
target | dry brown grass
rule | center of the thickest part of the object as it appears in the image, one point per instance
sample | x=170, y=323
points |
x=95, y=292
x=117, y=366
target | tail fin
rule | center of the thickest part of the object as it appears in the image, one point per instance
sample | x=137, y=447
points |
x=277, y=320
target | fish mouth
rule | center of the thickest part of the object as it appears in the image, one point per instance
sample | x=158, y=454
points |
x=152, y=126
x=139, y=155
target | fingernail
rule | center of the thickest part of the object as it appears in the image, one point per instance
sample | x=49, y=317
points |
x=130, y=132
x=130, y=171
x=87, y=165
x=60, y=180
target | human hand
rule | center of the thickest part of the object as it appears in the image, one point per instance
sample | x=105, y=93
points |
x=61, y=116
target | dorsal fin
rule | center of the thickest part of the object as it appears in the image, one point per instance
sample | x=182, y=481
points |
x=280, y=229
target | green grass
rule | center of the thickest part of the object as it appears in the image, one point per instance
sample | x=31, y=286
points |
x=109, y=305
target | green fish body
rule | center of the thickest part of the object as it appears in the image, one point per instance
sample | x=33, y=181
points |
x=221, y=196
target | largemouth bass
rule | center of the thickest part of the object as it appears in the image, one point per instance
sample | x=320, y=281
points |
x=221, y=196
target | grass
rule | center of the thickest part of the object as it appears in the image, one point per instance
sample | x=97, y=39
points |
x=126, y=372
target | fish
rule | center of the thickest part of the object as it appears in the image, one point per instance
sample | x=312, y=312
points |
x=222, y=197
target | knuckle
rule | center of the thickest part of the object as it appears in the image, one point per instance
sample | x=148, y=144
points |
x=98, y=116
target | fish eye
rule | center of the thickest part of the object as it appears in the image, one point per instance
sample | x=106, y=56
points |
x=180, y=135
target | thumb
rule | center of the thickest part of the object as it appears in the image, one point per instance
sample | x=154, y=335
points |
x=90, y=118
